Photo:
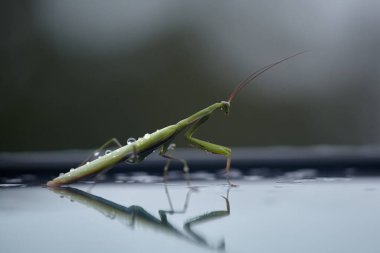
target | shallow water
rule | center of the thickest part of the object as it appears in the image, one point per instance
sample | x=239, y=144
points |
x=266, y=215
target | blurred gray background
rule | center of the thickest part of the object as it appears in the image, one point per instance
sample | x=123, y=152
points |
x=74, y=74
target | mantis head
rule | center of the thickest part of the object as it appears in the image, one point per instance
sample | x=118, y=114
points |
x=225, y=107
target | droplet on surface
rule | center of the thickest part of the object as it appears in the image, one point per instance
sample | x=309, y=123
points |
x=253, y=178
x=15, y=180
x=147, y=136
x=11, y=185
x=108, y=151
x=301, y=174
x=121, y=177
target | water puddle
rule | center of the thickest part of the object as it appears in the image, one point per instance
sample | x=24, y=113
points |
x=261, y=215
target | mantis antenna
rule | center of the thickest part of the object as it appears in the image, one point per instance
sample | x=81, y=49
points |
x=256, y=74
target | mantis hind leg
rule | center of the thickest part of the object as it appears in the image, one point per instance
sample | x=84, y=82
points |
x=208, y=146
x=163, y=152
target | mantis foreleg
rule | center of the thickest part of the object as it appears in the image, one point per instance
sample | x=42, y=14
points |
x=208, y=146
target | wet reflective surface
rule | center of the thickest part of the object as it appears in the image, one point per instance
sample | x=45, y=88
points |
x=261, y=215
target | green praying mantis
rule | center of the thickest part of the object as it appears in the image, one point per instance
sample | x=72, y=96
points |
x=135, y=151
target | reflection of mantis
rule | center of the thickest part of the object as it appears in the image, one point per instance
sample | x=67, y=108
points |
x=135, y=151
x=137, y=215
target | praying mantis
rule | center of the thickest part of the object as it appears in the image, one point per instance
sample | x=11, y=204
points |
x=136, y=151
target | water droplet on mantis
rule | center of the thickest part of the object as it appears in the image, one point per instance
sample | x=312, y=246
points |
x=131, y=140
x=171, y=146
x=132, y=158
